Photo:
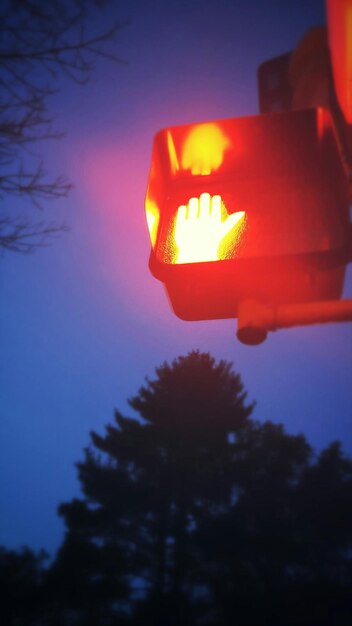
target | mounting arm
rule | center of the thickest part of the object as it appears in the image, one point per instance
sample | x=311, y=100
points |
x=256, y=319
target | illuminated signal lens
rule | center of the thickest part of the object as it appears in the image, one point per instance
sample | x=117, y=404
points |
x=153, y=217
x=204, y=148
x=174, y=164
x=204, y=231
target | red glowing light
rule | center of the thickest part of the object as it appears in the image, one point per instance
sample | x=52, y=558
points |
x=204, y=148
x=339, y=13
x=202, y=227
x=247, y=208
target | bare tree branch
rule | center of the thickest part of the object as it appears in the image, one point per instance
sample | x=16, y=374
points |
x=24, y=236
x=38, y=43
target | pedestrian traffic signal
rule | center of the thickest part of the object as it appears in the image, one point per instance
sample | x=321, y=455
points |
x=254, y=207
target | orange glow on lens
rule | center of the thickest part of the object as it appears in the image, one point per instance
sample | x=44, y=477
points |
x=153, y=217
x=204, y=231
x=339, y=13
x=175, y=166
x=204, y=148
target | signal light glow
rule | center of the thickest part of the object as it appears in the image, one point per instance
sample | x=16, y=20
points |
x=202, y=227
x=339, y=14
x=153, y=217
x=175, y=166
x=203, y=150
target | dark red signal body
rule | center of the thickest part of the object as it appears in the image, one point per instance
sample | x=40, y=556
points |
x=255, y=207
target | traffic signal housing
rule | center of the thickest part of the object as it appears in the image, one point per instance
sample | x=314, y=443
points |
x=253, y=207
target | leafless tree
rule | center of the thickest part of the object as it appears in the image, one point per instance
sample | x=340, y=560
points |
x=39, y=43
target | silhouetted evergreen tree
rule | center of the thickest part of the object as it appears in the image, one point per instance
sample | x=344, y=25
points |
x=88, y=582
x=148, y=482
x=195, y=514
x=21, y=587
x=247, y=547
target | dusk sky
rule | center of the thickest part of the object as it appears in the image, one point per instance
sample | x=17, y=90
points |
x=83, y=322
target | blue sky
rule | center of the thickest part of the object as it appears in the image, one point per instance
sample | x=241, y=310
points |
x=82, y=322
